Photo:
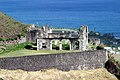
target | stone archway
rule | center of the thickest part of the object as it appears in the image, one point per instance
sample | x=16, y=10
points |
x=66, y=44
x=55, y=44
x=49, y=43
x=58, y=44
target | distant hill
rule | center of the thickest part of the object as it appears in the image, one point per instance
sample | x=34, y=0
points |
x=9, y=28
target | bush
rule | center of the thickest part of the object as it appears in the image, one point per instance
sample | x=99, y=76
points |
x=29, y=46
x=15, y=47
x=54, y=46
x=20, y=35
x=65, y=46
x=2, y=39
x=99, y=48
x=10, y=39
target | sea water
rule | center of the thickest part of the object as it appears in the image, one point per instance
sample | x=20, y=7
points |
x=99, y=15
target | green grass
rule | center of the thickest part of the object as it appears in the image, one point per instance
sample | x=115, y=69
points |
x=25, y=52
x=19, y=50
x=15, y=47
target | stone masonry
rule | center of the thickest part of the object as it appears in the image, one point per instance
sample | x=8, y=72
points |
x=78, y=40
x=64, y=61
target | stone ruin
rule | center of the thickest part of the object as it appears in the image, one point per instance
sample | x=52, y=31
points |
x=43, y=36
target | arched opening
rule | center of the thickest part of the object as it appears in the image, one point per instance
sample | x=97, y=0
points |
x=55, y=44
x=66, y=44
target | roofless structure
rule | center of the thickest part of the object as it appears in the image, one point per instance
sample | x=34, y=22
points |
x=77, y=39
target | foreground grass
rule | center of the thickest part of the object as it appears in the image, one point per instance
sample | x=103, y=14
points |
x=20, y=50
x=25, y=52
x=54, y=74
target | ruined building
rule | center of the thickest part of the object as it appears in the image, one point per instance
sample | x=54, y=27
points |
x=43, y=36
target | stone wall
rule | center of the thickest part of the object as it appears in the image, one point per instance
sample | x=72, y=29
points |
x=65, y=61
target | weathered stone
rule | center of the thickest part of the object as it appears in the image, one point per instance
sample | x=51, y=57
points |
x=64, y=61
x=47, y=34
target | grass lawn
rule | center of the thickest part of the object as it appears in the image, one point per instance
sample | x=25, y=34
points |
x=117, y=57
x=25, y=52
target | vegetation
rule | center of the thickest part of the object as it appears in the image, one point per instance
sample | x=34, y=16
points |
x=107, y=39
x=91, y=46
x=100, y=47
x=55, y=47
x=65, y=46
x=2, y=39
x=28, y=46
x=9, y=28
x=15, y=47
x=27, y=52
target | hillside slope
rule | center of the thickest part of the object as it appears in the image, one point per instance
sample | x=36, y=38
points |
x=9, y=28
x=53, y=74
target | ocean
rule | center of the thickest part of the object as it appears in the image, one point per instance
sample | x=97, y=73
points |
x=101, y=15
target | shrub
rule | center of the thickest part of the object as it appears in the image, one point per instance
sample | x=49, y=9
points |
x=29, y=46
x=20, y=35
x=10, y=39
x=54, y=46
x=65, y=46
x=2, y=39
x=99, y=48
x=15, y=47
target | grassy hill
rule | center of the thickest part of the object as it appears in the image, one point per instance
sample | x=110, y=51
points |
x=9, y=28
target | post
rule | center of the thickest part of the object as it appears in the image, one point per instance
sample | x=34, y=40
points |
x=80, y=45
x=39, y=44
x=70, y=45
x=50, y=44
